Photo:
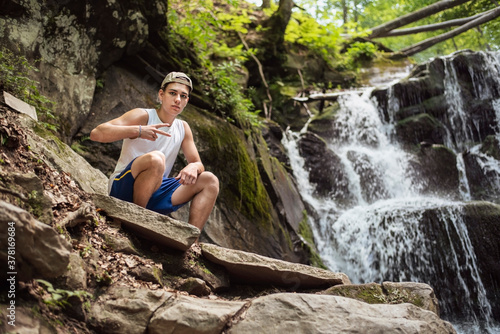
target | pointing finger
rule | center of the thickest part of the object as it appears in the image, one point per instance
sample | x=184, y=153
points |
x=162, y=125
x=162, y=133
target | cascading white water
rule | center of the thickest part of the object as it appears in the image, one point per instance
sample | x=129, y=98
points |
x=381, y=237
x=462, y=176
x=460, y=134
x=459, y=138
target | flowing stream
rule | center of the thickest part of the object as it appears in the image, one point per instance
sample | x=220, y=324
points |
x=379, y=236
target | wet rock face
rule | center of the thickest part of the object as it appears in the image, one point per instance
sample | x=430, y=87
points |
x=436, y=169
x=426, y=92
x=324, y=167
x=442, y=110
x=75, y=42
x=483, y=225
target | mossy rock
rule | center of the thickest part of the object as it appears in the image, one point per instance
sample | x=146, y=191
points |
x=369, y=293
x=418, y=294
x=26, y=191
x=420, y=128
x=322, y=123
x=226, y=152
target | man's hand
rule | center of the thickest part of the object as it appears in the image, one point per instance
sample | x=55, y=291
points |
x=151, y=132
x=188, y=175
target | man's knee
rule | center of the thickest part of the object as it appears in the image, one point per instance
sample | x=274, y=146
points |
x=155, y=159
x=210, y=181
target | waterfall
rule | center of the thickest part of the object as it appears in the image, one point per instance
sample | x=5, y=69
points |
x=462, y=178
x=381, y=235
x=460, y=133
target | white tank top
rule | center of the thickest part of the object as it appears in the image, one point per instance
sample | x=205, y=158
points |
x=169, y=146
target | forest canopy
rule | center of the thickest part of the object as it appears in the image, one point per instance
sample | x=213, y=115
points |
x=231, y=37
x=357, y=17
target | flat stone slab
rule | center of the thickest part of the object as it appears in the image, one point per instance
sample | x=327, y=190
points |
x=151, y=225
x=20, y=105
x=253, y=268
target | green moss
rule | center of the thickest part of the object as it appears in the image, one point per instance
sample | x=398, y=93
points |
x=225, y=153
x=306, y=233
x=289, y=91
x=304, y=229
x=368, y=293
x=434, y=103
x=399, y=296
x=372, y=297
x=446, y=151
x=35, y=203
x=321, y=124
x=422, y=118
x=374, y=294
x=49, y=135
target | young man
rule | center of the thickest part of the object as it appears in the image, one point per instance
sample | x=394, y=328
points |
x=151, y=141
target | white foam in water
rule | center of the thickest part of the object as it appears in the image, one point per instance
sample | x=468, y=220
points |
x=376, y=239
x=460, y=134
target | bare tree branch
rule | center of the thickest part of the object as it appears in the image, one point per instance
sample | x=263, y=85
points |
x=432, y=27
x=415, y=16
x=267, y=111
x=423, y=45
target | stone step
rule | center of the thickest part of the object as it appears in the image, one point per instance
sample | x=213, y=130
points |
x=253, y=268
x=151, y=225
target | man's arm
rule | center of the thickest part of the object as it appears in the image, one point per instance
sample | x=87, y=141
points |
x=132, y=124
x=189, y=174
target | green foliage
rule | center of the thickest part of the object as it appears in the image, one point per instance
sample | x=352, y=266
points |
x=195, y=22
x=201, y=23
x=78, y=146
x=236, y=20
x=58, y=297
x=322, y=39
x=226, y=91
x=363, y=15
x=14, y=78
x=358, y=54
x=104, y=279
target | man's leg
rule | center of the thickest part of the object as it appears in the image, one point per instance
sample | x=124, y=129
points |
x=147, y=171
x=202, y=195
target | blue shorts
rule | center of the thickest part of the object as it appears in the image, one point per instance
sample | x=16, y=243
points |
x=161, y=200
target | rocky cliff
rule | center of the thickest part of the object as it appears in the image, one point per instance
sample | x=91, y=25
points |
x=98, y=61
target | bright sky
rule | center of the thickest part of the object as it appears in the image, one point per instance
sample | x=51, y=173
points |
x=309, y=9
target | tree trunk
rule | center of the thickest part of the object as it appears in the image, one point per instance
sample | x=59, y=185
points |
x=266, y=4
x=278, y=23
x=415, y=16
x=344, y=13
x=421, y=46
x=432, y=27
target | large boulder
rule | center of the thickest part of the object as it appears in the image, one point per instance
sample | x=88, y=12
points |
x=424, y=109
x=185, y=314
x=325, y=168
x=302, y=313
x=29, y=247
x=418, y=294
x=126, y=310
x=140, y=310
